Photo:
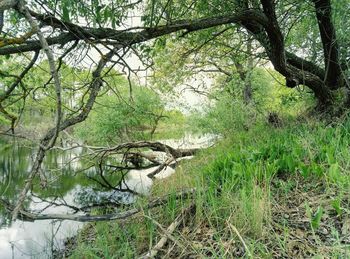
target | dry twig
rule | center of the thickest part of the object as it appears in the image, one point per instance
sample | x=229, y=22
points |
x=154, y=251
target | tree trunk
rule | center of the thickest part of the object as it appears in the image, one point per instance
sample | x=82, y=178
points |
x=333, y=73
x=245, y=74
x=289, y=65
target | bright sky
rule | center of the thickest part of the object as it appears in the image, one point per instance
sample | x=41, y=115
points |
x=186, y=98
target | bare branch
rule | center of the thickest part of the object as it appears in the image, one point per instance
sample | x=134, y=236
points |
x=28, y=216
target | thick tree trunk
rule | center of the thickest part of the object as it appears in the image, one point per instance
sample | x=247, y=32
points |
x=333, y=72
x=320, y=89
x=289, y=65
x=243, y=75
x=248, y=92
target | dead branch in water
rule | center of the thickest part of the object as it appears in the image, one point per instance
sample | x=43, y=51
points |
x=153, y=145
x=161, y=167
x=136, y=158
x=29, y=216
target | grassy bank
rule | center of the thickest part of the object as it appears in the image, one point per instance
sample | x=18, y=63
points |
x=262, y=193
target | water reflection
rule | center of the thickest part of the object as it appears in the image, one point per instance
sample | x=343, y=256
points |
x=68, y=176
x=37, y=239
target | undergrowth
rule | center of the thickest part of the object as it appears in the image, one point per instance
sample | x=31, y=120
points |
x=264, y=192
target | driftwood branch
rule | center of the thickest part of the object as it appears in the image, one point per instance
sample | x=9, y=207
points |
x=136, y=157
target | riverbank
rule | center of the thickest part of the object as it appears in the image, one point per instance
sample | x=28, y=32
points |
x=265, y=192
x=69, y=171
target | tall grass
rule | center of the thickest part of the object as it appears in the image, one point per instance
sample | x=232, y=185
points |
x=234, y=188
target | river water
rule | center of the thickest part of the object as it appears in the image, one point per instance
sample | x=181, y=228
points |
x=68, y=175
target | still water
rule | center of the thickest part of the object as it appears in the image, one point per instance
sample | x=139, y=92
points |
x=68, y=175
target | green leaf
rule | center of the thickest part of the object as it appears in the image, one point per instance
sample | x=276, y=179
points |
x=336, y=204
x=65, y=11
x=334, y=172
x=316, y=219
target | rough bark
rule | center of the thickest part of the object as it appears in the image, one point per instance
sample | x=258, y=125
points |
x=304, y=65
x=329, y=41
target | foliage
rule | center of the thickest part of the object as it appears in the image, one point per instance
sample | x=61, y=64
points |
x=117, y=119
x=117, y=116
x=208, y=54
x=239, y=181
x=228, y=113
x=173, y=125
x=96, y=12
x=34, y=101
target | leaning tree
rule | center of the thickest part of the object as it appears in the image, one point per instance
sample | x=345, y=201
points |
x=54, y=30
x=306, y=41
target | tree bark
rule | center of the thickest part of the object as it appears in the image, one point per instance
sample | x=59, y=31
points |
x=289, y=65
x=330, y=45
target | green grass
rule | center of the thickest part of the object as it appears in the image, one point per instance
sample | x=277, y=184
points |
x=271, y=190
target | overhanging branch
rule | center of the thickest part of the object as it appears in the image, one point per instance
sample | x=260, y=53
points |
x=130, y=37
